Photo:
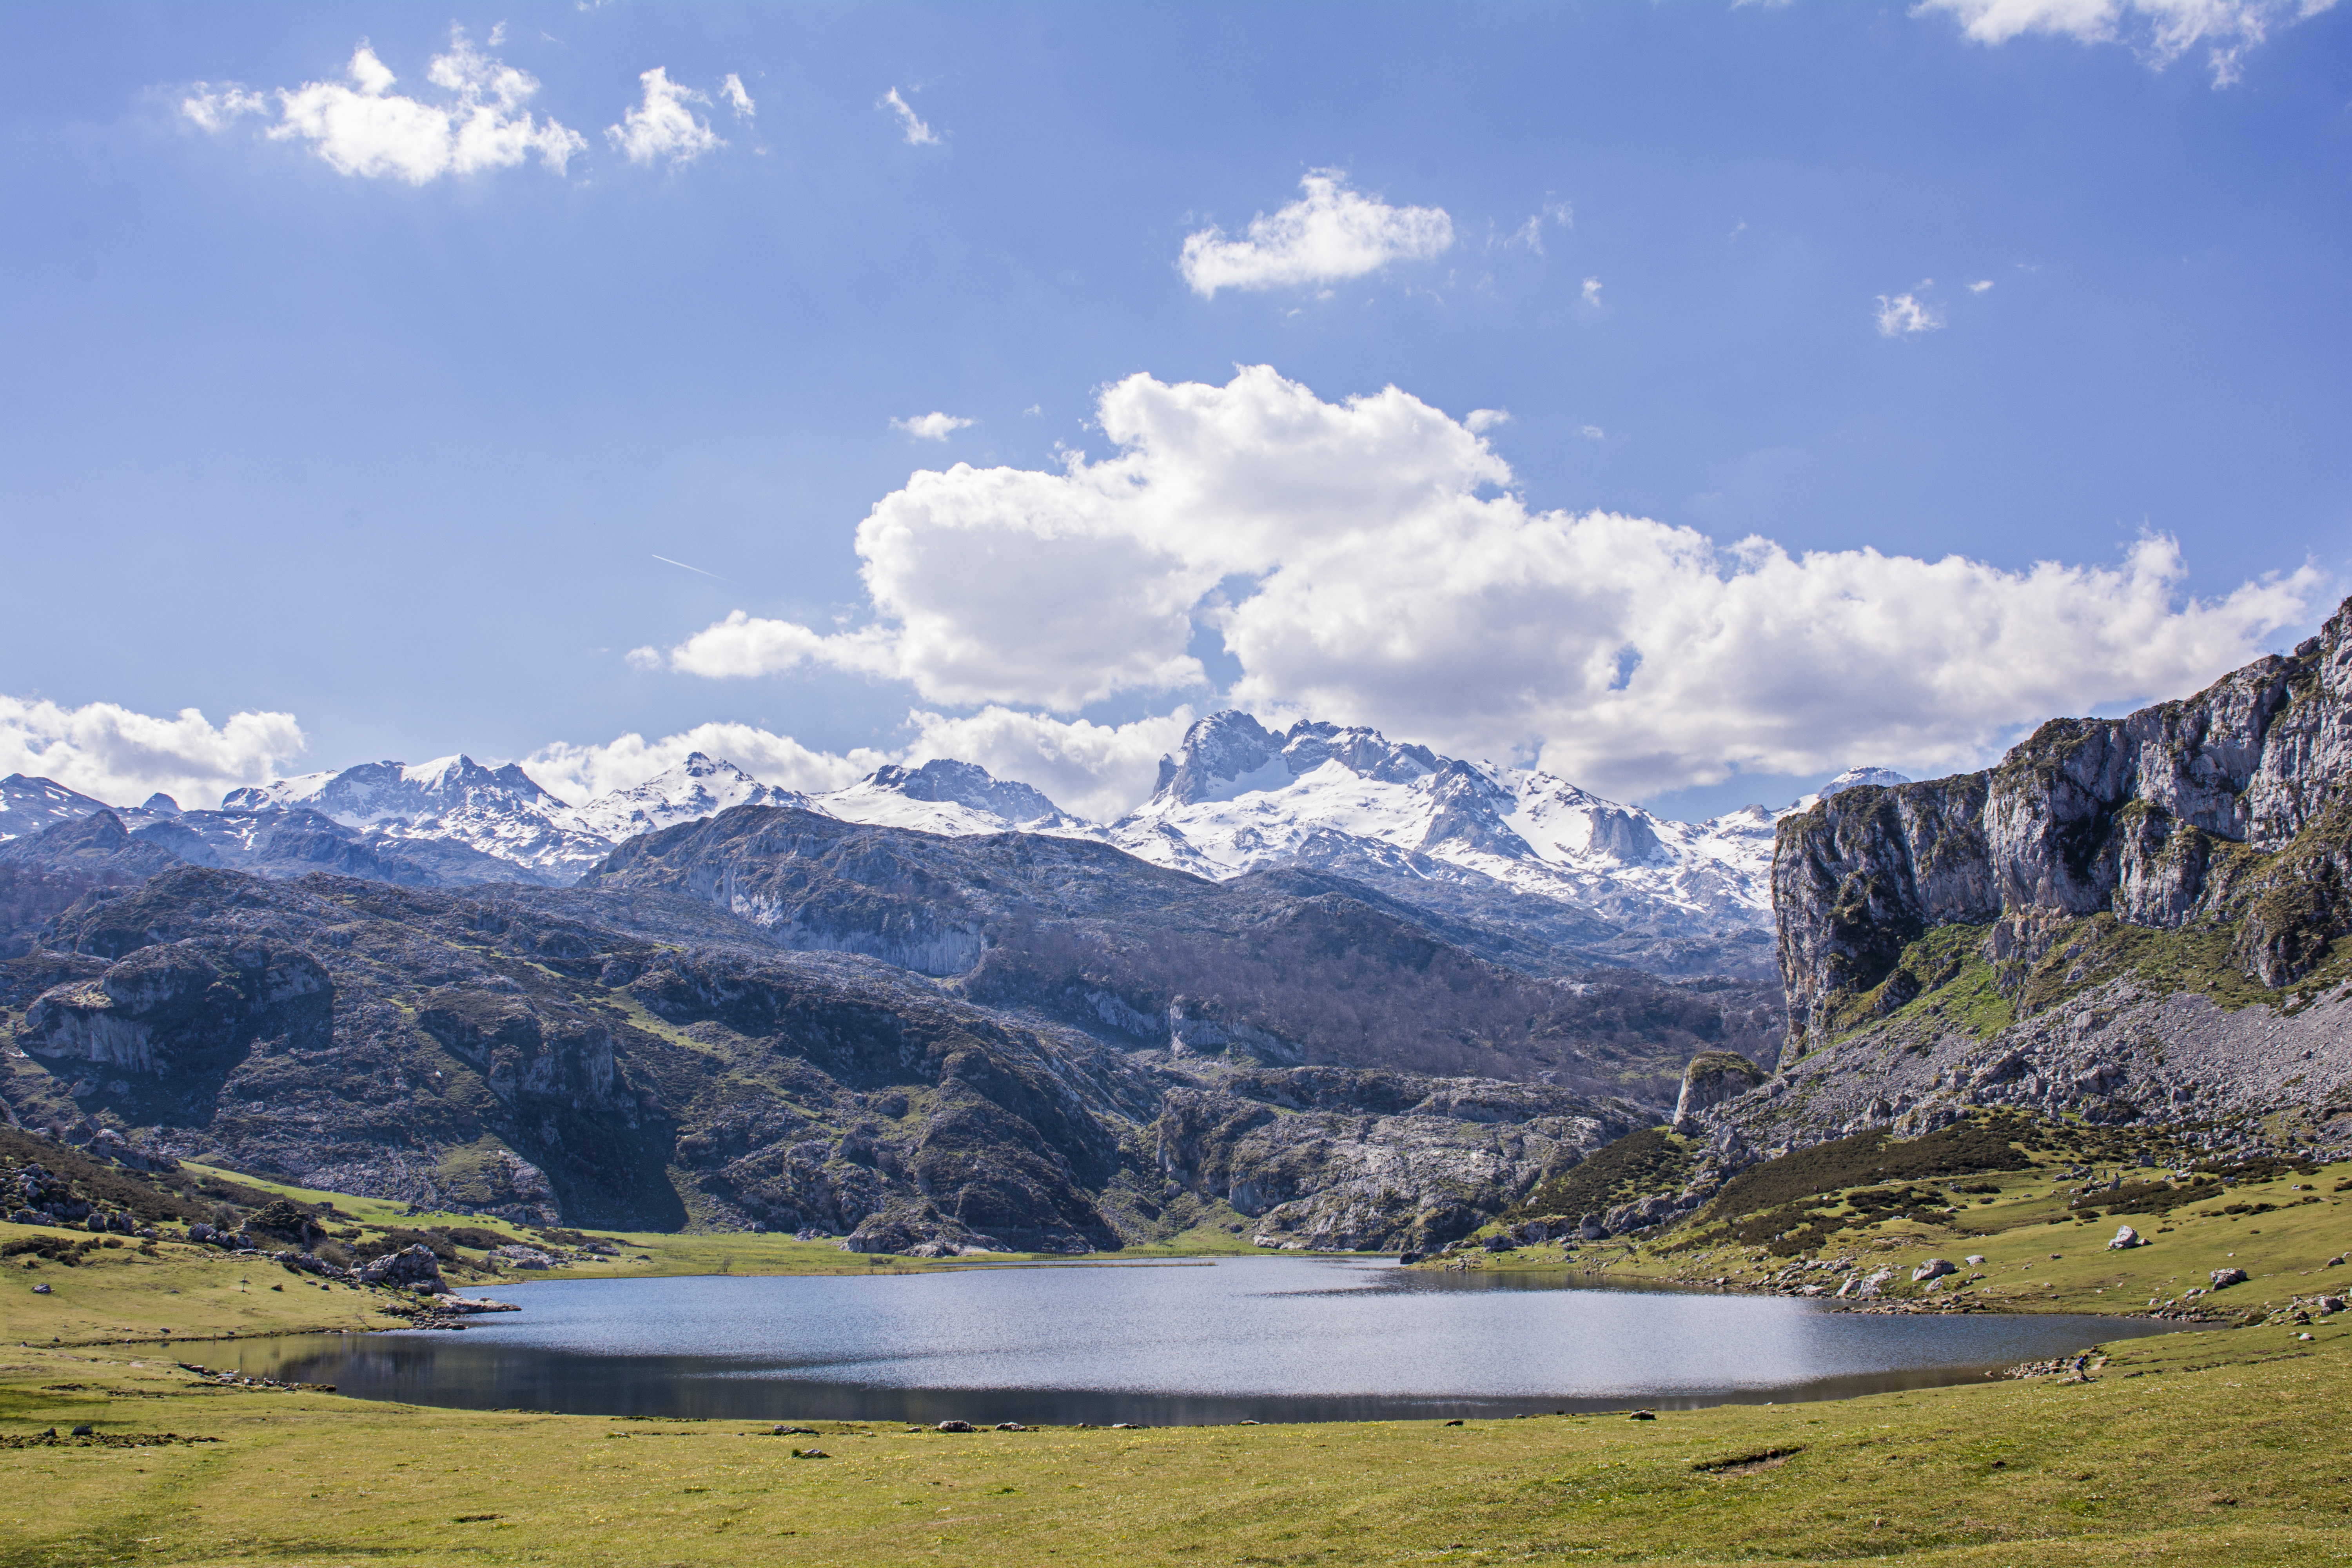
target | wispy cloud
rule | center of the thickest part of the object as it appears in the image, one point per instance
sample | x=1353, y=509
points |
x=2158, y=31
x=1592, y=291
x=1907, y=315
x=1980, y=285
x=663, y=125
x=1329, y=234
x=360, y=127
x=731, y=90
x=932, y=427
x=1481, y=420
x=917, y=134
x=1592, y=432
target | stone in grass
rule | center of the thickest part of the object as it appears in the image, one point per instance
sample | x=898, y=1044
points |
x=1010, y=1427
x=1974, y=1259
x=2225, y=1277
x=40, y=1290
x=1933, y=1269
x=955, y=1426
x=2125, y=1238
x=793, y=1431
x=810, y=1454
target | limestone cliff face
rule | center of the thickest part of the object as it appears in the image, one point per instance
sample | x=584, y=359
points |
x=2230, y=810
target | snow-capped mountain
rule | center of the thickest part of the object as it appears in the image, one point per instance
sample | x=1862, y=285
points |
x=1238, y=797
x=1513, y=850
x=499, y=810
x=701, y=786
x=27, y=805
x=953, y=798
x=1473, y=839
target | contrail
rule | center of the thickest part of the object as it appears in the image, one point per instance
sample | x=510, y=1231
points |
x=667, y=562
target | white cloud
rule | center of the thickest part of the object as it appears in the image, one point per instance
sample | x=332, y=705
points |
x=121, y=757
x=362, y=127
x=731, y=90
x=917, y=134
x=1481, y=420
x=1358, y=564
x=662, y=125
x=1905, y=316
x=1095, y=770
x=1592, y=291
x=931, y=427
x=1980, y=286
x=211, y=111
x=1592, y=432
x=578, y=774
x=1329, y=234
x=2158, y=31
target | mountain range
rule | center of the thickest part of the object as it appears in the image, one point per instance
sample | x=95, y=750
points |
x=1321, y=990
x=1566, y=877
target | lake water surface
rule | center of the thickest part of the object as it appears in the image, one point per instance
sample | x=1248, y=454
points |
x=1260, y=1338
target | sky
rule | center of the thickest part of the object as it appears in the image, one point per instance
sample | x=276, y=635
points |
x=1692, y=399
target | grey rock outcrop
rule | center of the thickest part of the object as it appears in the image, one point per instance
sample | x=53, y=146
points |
x=2233, y=805
x=1711, y=1078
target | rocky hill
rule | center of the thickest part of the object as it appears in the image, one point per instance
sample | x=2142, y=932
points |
x=631, y=1055
x=2141, y=919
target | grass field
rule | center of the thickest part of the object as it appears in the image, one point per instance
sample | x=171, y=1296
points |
x=2220, y=1445
x=2225, y=1446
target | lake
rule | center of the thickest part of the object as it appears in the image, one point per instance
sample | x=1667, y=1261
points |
x=1266, y=1339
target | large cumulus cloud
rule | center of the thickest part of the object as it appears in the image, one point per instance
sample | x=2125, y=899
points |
x=1367, y=560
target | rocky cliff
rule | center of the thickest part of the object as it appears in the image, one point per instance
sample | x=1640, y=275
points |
x=2146, y=918
x=2227, y=814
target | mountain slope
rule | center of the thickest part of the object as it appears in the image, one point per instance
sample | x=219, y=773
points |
x=633, y=1058
x=1286, y=965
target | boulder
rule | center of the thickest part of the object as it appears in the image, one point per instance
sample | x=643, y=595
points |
x=2224, y=1277
x=1933, y=1269
x=2125, y=1238
x=1589, y=1228
x=514, y=1254
x=955, y=1426
x=411, y=1265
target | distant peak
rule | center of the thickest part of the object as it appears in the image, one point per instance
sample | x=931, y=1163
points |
x=1856, y=778
x=947, y=780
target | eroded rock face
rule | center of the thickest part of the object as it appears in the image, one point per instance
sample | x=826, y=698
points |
x=181, y=1003
x=2150, y=818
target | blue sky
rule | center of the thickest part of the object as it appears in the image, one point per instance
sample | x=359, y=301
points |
x=324, y=427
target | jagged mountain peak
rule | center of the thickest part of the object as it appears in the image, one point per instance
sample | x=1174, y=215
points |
x=388, y=790
x=1230, y=755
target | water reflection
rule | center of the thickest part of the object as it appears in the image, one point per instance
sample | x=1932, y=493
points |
x=1262, y=1338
